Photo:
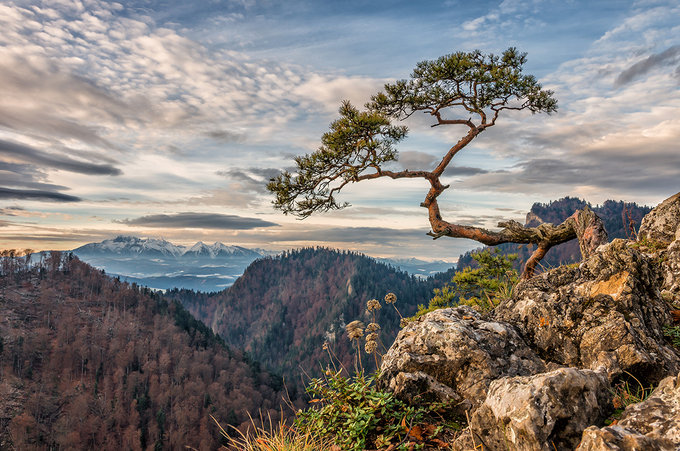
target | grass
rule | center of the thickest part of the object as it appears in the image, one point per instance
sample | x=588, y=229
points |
x=273, y=437
x=626, y=394
x=673, y=334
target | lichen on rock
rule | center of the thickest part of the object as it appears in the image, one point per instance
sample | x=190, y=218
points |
x=459, y=350
x=546, y=411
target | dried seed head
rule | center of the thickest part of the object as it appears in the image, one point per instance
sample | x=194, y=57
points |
x=355, y=330
x=390, y=298
x=370, y=347
x=372, y=327
x=372, y=336
x=325, y=345
x=373, y=304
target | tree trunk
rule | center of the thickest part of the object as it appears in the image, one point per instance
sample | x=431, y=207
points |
x=583, y=225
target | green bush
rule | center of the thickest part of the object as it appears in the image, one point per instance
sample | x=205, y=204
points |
x=355, y=415
x=482, y=288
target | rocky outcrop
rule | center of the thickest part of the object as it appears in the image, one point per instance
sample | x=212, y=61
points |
x=543, y=412
x=670, y=270
x=536, y=372
x=453, y=355
x=661, y=224
x=607, y=312
x=653, y=424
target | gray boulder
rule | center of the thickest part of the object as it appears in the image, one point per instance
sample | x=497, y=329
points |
x=607, y=312
x=653, y=424
x=453, y=355
x=661, y=224
x=542, y=412
x=670, y=269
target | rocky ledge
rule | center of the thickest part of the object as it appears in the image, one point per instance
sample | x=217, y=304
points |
x=537, y=372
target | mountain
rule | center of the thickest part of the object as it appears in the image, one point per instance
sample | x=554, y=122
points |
x=131, y=246
x=283, y=308
x=420, y=268
x=618, y=217
x=218, y=250
x=90, y=362
x=157, y=263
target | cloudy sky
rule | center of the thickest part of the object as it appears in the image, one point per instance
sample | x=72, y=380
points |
x=166, y=118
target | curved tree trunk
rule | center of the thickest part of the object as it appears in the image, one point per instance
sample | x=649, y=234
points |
x=583, y=225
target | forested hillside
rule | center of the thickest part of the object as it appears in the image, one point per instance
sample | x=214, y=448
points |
x=89, y=362
x=617, y=217
x=284, y=308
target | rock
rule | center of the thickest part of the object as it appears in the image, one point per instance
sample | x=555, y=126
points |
x=616, y=438
x=660, y=224
x=607, y=312
x=670, y=269
x=653, y=424
x=453, y=355
x=542, y=412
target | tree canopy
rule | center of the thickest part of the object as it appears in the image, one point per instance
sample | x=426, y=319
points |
x=468, y=89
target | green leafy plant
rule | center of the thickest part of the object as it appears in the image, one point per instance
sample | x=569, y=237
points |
x=352, y=413
x=673, y=334
x=482, y=288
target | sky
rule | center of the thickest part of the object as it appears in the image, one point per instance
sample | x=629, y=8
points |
x=167, y=118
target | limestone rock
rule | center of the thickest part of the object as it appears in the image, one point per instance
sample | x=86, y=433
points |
x=653, y=424
x=453, y=355
x=542, y=412
x=670, y=268
x=616, y=438
x=662, y=222
x=607, y=312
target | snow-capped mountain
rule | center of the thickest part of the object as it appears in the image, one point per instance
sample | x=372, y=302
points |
x=217, y=250
x=157, y=263
x=132, y=245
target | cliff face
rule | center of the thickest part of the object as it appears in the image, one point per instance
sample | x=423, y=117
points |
x=539, y=370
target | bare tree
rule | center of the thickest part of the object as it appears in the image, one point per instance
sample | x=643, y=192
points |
x=467, y=89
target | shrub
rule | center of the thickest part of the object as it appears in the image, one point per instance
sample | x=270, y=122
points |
x=355, y=415
x=481, y=288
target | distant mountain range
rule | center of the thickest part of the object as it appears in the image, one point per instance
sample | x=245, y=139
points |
x=160, y=264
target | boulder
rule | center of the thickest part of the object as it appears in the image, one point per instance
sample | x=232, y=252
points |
x=605, y=313
x=661, y=224
x=542, y=412
x=453, y=355
x=670, y=269
x=617, y=438
x=653, y=424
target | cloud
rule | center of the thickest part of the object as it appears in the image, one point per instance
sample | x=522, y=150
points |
x=464, y=170
x=198, y=220
x=28, y=154
x=416, y=160
x=12, y=211
x=9, y=193
x=226, y=136
x=668, y=56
